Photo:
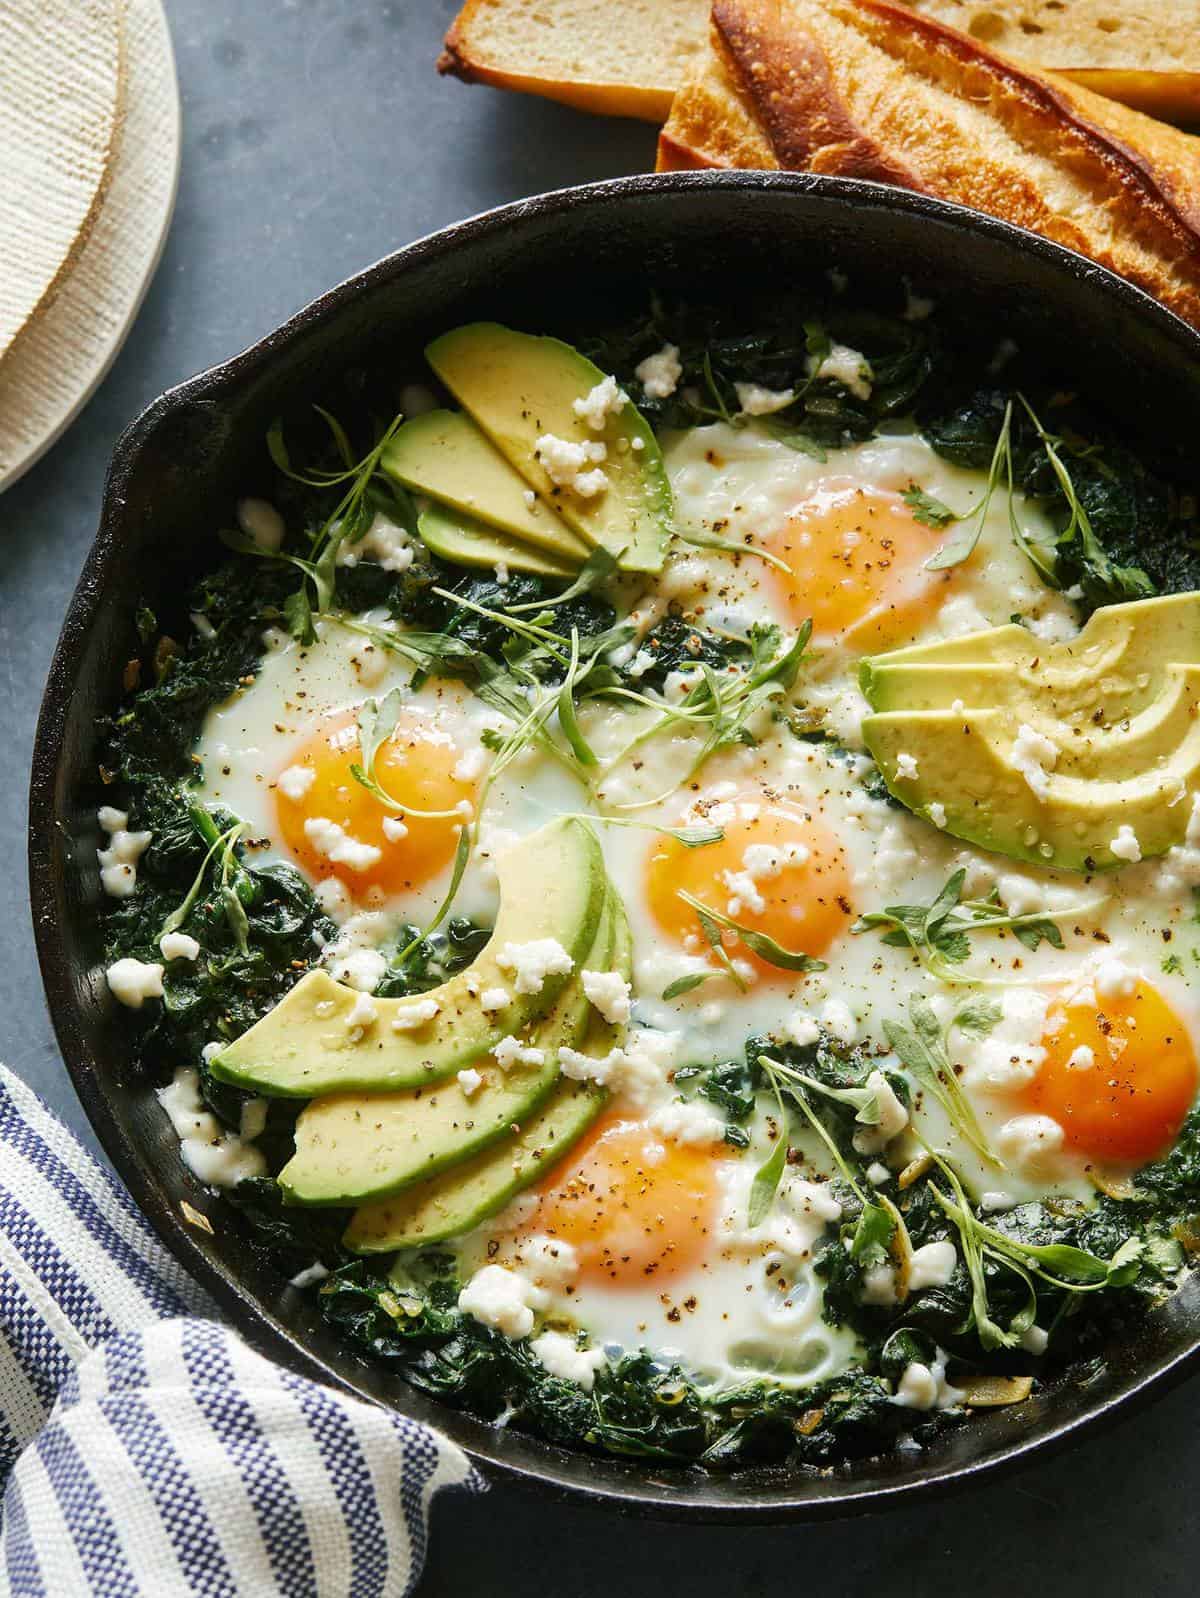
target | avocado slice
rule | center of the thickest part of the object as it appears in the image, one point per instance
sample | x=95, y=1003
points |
x=443, y=454
x=966, y=764
x=517, y=387
x=460, y=538
x=552, y=885
x=352, y=1147
x=465, y=1195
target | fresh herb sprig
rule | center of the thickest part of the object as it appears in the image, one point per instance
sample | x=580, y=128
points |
x=939, y=933
x=924, y=1050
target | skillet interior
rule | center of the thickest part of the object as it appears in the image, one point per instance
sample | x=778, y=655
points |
x=548, y=264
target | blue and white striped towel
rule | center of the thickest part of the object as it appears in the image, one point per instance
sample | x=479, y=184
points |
x=148, y=1452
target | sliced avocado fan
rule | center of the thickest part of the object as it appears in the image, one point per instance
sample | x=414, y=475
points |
x=467, y=1194
x=518, y=388
x=465, y=542
x=1047, y=752
x=356, y=1146
x=310, y=1043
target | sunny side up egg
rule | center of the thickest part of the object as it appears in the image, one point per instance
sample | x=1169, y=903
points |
x=640, y=1235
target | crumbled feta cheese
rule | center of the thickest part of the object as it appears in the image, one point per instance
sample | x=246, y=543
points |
x=1114, y=979
x=531, y=963
x=332, y=896
x=358, y=968
x=937, y=814
x=638, y=1070
x=906, y=767
x=608, y=992
x=501, y=570
x=932, y=1265
x=848, y=367
x=1125, y=845
x=641, y=663
x=470, y=1082
x=415, y=1015
x=688, y=1122
x=1082, y=1059
x=878, y=1173
x=493, y=999
x=562, y=1356
x=659, y=374
x=295, y=782
x=361, y=1015
x=801, y=1028
x=470, y=764
x=394, y=829
x=573, y=466
x=261, y=523
x=388, y=544
x=603, y=401
x=336, y=845
x=213, y=1154
x=994, y=1202
x=925, y=1386
x=505, y=1299
x=838, y=1019
x=893, y=1117
x=132, y=982
x=1030, y=1142
x=1012, y=1052
x=1035, y=1340
x=511, y=1051
x=1034, y=757
x=309, y=1276
x=118, y=863
x=529, y=497
x=754, y=400
x=879, y=1285
x=178, y=946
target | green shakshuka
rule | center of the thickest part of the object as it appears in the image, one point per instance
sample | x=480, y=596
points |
x=664, y=890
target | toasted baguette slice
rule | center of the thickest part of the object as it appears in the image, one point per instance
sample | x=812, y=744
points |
x=869, y=89
x=622, y=58
x=1144, y=52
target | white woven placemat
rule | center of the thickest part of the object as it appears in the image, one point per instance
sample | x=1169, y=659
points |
x=59, y=358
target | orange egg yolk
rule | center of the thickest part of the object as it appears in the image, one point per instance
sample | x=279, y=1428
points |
x=1119, y=1076
x=775, y=871
x=857, y=558
x=415, y=766
x=632, y=1206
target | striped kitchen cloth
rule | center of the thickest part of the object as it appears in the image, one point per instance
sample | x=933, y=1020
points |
x=146, y=1450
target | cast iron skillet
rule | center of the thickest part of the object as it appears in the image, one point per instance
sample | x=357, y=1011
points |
x=541, y=264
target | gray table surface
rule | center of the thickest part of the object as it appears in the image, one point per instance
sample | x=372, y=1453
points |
x=316, y=139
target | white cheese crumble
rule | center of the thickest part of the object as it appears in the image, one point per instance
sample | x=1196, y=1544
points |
x=470, y=1082
x=608, y=992
x=1030, y=1142
x=359, y=968
x=338, y=847
x=688, y=1123
x=573, y=466
x=261, y=523
x=848, y=367
x=1034, y=757
x=390, y=546
x=601, y=402
x=531, y=963
x=878, y=1173
x=118, y=863
x=493, y=999
x=1035, y=1340
x=659, y=374
x=879, y=1285
x=925, y=1386
x=178, y=946
x=295, y=782
x=394, y=830
x=1125, y=845
x=132, y=982
x=511, y=1051
x=754, y=400
x=214, y=1155
x=416, y=1015
x=893, y=1117
x=801, y=1029
x=838, y=1019
x=361, y=1015
x=937, y=814
x=309, y=1276
x=1082, y=1059
x=470, y=764
x=906, y=767
x=932, y=1265
x=505, y=1299
x=561, y=1355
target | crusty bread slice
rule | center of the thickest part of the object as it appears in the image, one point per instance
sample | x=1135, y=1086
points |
x=869, y=89
x=617, y=57
x=1144, y=52
x=60, y=86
